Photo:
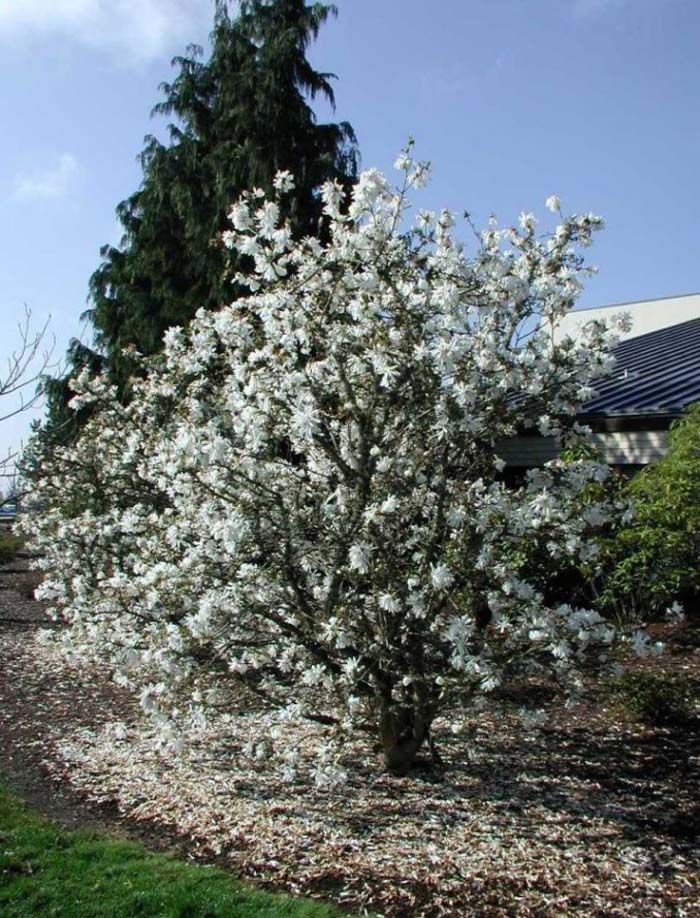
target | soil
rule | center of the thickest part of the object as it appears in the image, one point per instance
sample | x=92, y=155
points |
x=32, y=706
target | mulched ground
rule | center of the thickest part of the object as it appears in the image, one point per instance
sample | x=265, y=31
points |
x=592, y=815
x=37, y=705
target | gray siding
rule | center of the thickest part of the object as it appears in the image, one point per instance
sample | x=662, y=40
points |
x=634, y=447
x=520, y=452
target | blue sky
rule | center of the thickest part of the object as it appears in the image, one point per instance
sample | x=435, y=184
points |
x=512, y=100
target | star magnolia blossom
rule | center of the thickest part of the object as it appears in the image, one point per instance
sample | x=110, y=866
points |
x=303, y=497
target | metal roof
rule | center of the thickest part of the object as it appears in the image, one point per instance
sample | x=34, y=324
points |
x=655, y=373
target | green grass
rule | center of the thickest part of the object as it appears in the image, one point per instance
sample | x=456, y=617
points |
x=48, y=871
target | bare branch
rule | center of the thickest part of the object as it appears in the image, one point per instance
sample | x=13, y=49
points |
x=24, y=368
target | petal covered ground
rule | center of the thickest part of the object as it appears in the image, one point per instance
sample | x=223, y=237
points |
x=591, y=815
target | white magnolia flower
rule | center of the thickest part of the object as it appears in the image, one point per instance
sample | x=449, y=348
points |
x=441, y=576
x=528, y=221
x=360, y=557
x=389, y=603
x=240, y=216
x=267, y=217
x=675, y=612
x=420, y=175
x=283, y=181
x=149, y=698
x=643, y=647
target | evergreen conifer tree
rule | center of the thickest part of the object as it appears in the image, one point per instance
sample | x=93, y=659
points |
x=238, y=117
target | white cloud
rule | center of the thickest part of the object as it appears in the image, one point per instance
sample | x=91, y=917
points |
x=54, y=182
x=134, y=30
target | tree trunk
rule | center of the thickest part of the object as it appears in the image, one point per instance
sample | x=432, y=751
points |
x=402, y=731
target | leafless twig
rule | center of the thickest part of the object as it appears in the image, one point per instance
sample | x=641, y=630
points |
x=23, y=370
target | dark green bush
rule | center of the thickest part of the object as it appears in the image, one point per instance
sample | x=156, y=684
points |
x=565, y=579
x=9, y=546
x=655, y=698
x=655, y=559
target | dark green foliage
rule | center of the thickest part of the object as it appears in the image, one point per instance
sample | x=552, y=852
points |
x=9, y=546
x=655, y=559
x=44, y=871
x=658, y=699
x=237, y=118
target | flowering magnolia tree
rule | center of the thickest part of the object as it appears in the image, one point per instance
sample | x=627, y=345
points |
x=304, y=495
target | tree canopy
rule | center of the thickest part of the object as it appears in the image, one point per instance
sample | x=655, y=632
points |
x=238, y=117
x=301, y=501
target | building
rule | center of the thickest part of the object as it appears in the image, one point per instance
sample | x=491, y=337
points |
x=647, y=315
x=656, y=378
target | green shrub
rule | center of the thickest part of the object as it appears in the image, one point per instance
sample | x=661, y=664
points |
x=655, y=559
x=9, y=546
x=655, y=698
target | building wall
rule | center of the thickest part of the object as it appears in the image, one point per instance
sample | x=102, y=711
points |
x=634, y=447
x=647, y=315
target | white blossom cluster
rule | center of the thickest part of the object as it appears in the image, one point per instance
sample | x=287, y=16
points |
x=303, y=501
